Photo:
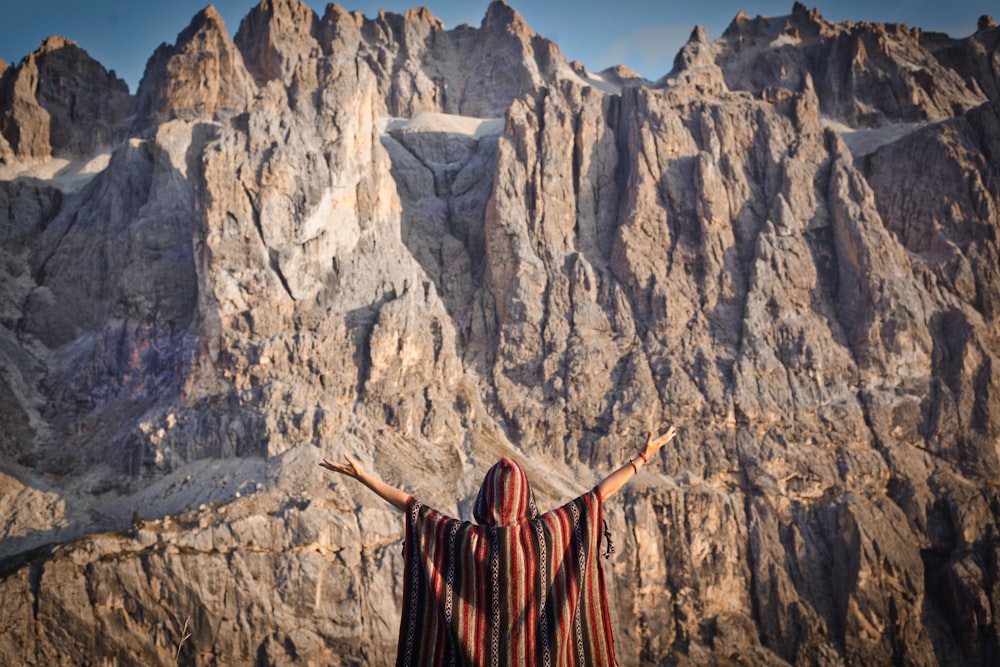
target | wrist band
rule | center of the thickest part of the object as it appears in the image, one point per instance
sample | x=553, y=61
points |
x=643, y=457
x=634, y=469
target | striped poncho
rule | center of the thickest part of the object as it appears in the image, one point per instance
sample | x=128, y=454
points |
x=517, y=589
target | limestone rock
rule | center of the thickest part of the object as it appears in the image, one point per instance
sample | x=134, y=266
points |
x=59, y=100
x=695, y=65
x=958, y=254
x=422, y=67
x=278, y=41
x=622, y=75
x=430, y=248
x=200, y=76
x=974, y=58
x=865, y=74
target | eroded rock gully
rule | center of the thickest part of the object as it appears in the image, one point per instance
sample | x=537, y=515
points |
x=433, y=247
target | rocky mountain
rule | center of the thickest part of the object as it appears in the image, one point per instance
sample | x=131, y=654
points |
x=431, y=247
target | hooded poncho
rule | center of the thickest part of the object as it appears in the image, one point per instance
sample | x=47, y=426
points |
x=517, y=589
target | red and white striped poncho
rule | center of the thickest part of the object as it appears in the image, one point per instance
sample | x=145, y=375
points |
x=517, y=589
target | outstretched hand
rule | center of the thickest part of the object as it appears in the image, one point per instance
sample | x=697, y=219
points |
x=395, y=497
x=654, y=445
x=351, y=468
x=610, y=484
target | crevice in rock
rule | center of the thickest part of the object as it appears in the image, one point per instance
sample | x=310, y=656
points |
x=275, y=263
x=35, y=571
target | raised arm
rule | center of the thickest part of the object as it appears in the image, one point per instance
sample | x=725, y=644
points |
x=390, y=494
x=616, y=480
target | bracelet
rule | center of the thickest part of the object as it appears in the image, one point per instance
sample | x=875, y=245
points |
x=643, y=457
x=634, y=469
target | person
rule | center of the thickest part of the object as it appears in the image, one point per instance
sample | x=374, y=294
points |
x=515, y=588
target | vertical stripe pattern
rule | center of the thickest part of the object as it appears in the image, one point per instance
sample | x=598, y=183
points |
x=518, y=589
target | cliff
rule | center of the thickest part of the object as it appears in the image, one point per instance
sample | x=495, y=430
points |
x=432, y=247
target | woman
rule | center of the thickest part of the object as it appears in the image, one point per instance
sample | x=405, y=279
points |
x=519, y=588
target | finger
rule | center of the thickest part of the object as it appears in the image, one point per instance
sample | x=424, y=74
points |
x=666, y=437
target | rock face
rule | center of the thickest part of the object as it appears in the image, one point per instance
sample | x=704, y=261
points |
x=431, y=248
x=200, y=77
x=59, y=101
x=864, y=74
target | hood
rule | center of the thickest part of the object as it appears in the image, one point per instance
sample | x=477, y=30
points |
x=505, y=498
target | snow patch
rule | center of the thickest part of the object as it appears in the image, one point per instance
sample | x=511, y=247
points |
x=599, y=82
x=65, y=174
x=785, y=39
x=863, y=141
x=444, y=123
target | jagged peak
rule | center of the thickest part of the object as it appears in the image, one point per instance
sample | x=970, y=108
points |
x=801, y=12
x=764, y=52
x=279, y=16
x=210, y=14
x=54, y=43
x=67, y=48
x=740, y=24
x=290, y=8
x=807, y=20
x=694, y=51
x=802, y=20
x=621, y=75
x=334, y=8
x=336, y=13
x=985, y=22
x=207, y=20
x=417, y=16
x=272, y=6
x=275, y=37
x=698, y=36
x=620, y=71
x=695, y=65
x=336, y=20
x=424, y=16
x=203, y=51
x=501, y=15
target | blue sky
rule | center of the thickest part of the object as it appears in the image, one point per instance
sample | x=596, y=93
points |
x=644, y=35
